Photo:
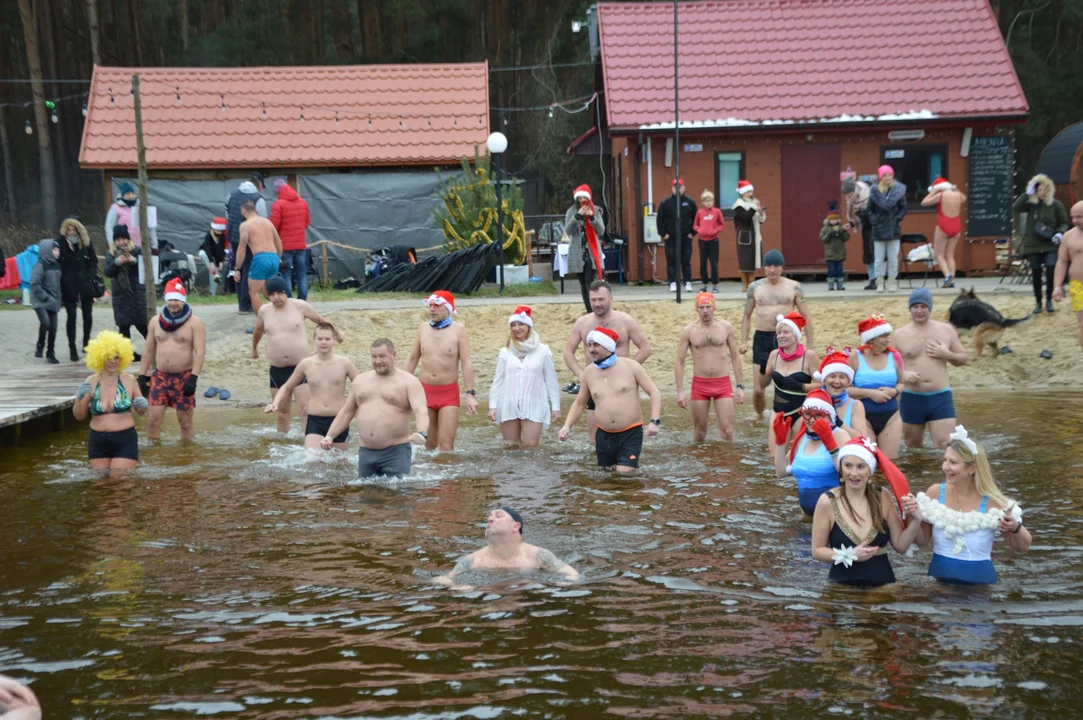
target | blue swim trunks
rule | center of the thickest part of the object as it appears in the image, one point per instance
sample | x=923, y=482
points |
x=264, y=266
x=920, y=408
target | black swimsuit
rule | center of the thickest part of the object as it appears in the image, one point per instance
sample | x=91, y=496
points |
x=871, y=573
x=789, y=395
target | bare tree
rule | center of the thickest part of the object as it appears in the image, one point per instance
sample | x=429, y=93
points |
x=45, y=152
x=95, y=31
x=182, y=10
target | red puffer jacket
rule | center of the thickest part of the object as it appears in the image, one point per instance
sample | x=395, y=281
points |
x=289, y=214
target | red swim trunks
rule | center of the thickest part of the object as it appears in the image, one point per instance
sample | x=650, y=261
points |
x=441, y=396
x=711, y=388
x=951, y=226
x=167, y=390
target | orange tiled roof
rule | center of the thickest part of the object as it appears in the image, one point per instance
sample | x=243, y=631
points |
x=252, y=117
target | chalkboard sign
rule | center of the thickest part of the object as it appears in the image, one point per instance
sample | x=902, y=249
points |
x=989, y=193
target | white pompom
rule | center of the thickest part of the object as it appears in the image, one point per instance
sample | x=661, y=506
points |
x=789, y=469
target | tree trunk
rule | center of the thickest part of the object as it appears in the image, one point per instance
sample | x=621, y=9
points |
x=9, y=175
x=95, y=31
x=41, y=119
x=182, y=10
x=133, y=32
x=371, y=36
x=342, y=29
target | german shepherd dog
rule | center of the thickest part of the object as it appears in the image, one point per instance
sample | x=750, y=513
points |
x=970, y=313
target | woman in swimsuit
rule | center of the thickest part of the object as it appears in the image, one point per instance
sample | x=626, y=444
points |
x=878, y=379
x=968, y=497
x=790, y=369
x=862, y=518
x=949, y=225
x=837, y=376
x=110, y=396
x=812, y=454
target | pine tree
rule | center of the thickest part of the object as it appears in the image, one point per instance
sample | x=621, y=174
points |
x=468, y=212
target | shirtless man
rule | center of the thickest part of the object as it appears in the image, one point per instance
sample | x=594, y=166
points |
x=714, y=347
x=382, y=400
x=927, y=346
x=949, y=225
x=177, y=343
x=506, y=551
x=441, y=346
x=326, y=375
x=259, y=237
x=627, y=329
x=283, y=319
x=614, y=383
x=768, y=298
x=1071, y=251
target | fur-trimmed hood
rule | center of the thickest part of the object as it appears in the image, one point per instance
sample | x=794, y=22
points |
x=84, y=239
x=1041, y=180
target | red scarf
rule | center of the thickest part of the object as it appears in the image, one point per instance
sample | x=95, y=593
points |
x=592, y=241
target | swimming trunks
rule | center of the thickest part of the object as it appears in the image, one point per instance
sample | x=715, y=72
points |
x=320, y=424
x=619, y=448
x=167, y=390
x=920, y=408
x=264, y=266
x=1075, y=289
x=109, y=445
x=763, y=342
x=281, y=375
x=441, y=396
x=951, y=226
x=393, y=460
x=718, y=388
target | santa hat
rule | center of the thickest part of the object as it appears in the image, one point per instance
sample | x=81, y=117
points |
x=795, y=320
x=218, y=224
x=744, y=186
x=815, y=400
x=678, y=181
x=174, y=290
x=441, y=297
x=522, y=314
x=605, y=337
x=868, y=452
x=583, y=192
x=940, y=184
x=834, y=362
x=873, y=327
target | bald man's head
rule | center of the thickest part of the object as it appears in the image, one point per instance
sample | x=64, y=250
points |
x=1077, y=214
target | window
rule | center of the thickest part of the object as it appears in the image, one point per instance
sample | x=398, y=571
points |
x=916, y=166
x=729, y=168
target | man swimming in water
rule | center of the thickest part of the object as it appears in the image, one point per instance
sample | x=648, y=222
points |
x=507, y=551
x=714, y=346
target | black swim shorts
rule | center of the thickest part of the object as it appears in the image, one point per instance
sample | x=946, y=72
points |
x=280, y=375
x=120, y=444
x=320, y=424
x=619, y=448
x=762, y=344
x=394, y=460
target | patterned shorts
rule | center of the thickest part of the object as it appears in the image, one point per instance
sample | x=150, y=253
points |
x=167, y=390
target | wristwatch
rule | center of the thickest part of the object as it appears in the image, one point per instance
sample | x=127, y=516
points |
x=1016, y=531
x=656, y=421
x=472, y=392
x=423, y=434
x=740, y=385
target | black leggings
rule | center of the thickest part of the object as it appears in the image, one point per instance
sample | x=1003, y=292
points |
x=708, y=250
x=85, y=302
x=585, y=279
x=1037, y=261
x=47, y=324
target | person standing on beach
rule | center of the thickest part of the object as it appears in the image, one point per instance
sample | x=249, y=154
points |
x=247, y=191
x=713, y=342
x=442, y=345
x=259, y=237
x=283, y=320
x=45, y=297
x=707, y=225
x=177, y=344
x=769, y=298
x=1070, y=262
x=678, y=240
x=748, y=215
x=949, y=225
x=291, y=218
x=585, y=255
x=927, y=346
x=857, y=220
x=603, y=315
x=886, y=209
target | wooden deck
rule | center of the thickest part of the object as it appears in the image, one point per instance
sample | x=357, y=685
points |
x=38, y=390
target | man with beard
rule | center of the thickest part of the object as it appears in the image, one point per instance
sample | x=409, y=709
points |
x=382, y=400
x=177, y=343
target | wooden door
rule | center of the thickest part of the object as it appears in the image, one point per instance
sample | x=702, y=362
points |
x=810, y=183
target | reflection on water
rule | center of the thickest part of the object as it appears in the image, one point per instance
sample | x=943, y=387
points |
x=233, y=578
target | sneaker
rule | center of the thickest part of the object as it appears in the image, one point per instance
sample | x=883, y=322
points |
x=871, y=285
x=830, y=285
x=572, y=388
x=949, y=282
x=688, y=287
x=842, y=285
x=714, y=290
x=704, y=289
x=673, y=287
x=880, y=287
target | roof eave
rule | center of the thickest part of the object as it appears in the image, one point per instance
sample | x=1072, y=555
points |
x=804, y=126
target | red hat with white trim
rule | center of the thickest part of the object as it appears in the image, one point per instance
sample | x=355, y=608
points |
x=835, y=362
x=522, y=314
x=583, y=192
x=174, y=290
x=218, y=224
x=940, y=184
x=820, y=400
x=441, y=297
x=605, y=337
x=868, y=452
x=795, y=321
x=873, y=327
x=744, y=186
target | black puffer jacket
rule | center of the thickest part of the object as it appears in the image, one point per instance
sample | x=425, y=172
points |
x=78, y=263
x=667, y=217
x=129, y=296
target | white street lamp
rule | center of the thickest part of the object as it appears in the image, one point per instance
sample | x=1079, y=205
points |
x=497, y=144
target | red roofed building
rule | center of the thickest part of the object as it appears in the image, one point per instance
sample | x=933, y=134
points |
x=794, y=94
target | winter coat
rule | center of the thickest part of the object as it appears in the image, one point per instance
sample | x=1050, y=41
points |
x=78, y=264
x=886, y=211
x=578, y=255
x=215, y=247
x=667, y=217
x=45, y=279
x=834, y=238
x=1051, y=212
x=129, y=295
x=857, y=203
x=289, y=215
x=245, y=191
x=120, y=214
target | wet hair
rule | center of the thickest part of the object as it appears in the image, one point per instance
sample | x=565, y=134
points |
x=107, y=345
x=983, y=475
x=248, y=205
x=872, y=497
x=599, y=285
x=383, y=342
x=323, y=326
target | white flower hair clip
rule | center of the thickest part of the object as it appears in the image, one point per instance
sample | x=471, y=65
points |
x=844, y=556
x=963, y=436
x=869, y=444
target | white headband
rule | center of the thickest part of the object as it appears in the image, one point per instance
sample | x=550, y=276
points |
x=602, y=339
x=963, y=436
x=783, y=320
x=864, y=451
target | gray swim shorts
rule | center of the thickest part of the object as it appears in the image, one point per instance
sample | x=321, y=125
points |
x=394, y=460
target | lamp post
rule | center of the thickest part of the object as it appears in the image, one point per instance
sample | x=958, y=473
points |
x=679, y=252
x=497, y=144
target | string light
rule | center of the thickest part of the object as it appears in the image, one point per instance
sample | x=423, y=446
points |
x=50, y=105
x=29, y=128
x=264, y=111
x=179, y=101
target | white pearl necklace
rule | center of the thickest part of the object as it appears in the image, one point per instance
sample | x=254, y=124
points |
x=956, y=523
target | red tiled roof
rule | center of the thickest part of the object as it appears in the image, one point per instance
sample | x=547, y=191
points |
x=386, y=115
x=801, y=62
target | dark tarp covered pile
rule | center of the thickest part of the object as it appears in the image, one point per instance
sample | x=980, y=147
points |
x=462, y=271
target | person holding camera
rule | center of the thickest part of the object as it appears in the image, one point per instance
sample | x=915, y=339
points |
x=1047, y=221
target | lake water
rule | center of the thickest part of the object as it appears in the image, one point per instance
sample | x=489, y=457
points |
x=232, y=579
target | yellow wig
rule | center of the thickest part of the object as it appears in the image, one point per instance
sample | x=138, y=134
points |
x=107, y=345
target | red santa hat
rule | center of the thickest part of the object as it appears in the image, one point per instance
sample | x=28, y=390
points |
x=820, y=400
x=795, y=321
x=868, y=452
x=218, y=224
x=522, y=314
x=835, y=362
x=441, y=297
x=583, y=193
x=678, y=181
x=605, y=337
x=174, y=290
x=873, y=327
x=744, y=186
x=940, y=184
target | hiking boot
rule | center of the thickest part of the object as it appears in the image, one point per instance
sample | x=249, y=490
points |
x=871, y=285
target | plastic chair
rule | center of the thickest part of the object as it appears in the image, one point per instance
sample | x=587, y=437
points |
x=914, y=239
